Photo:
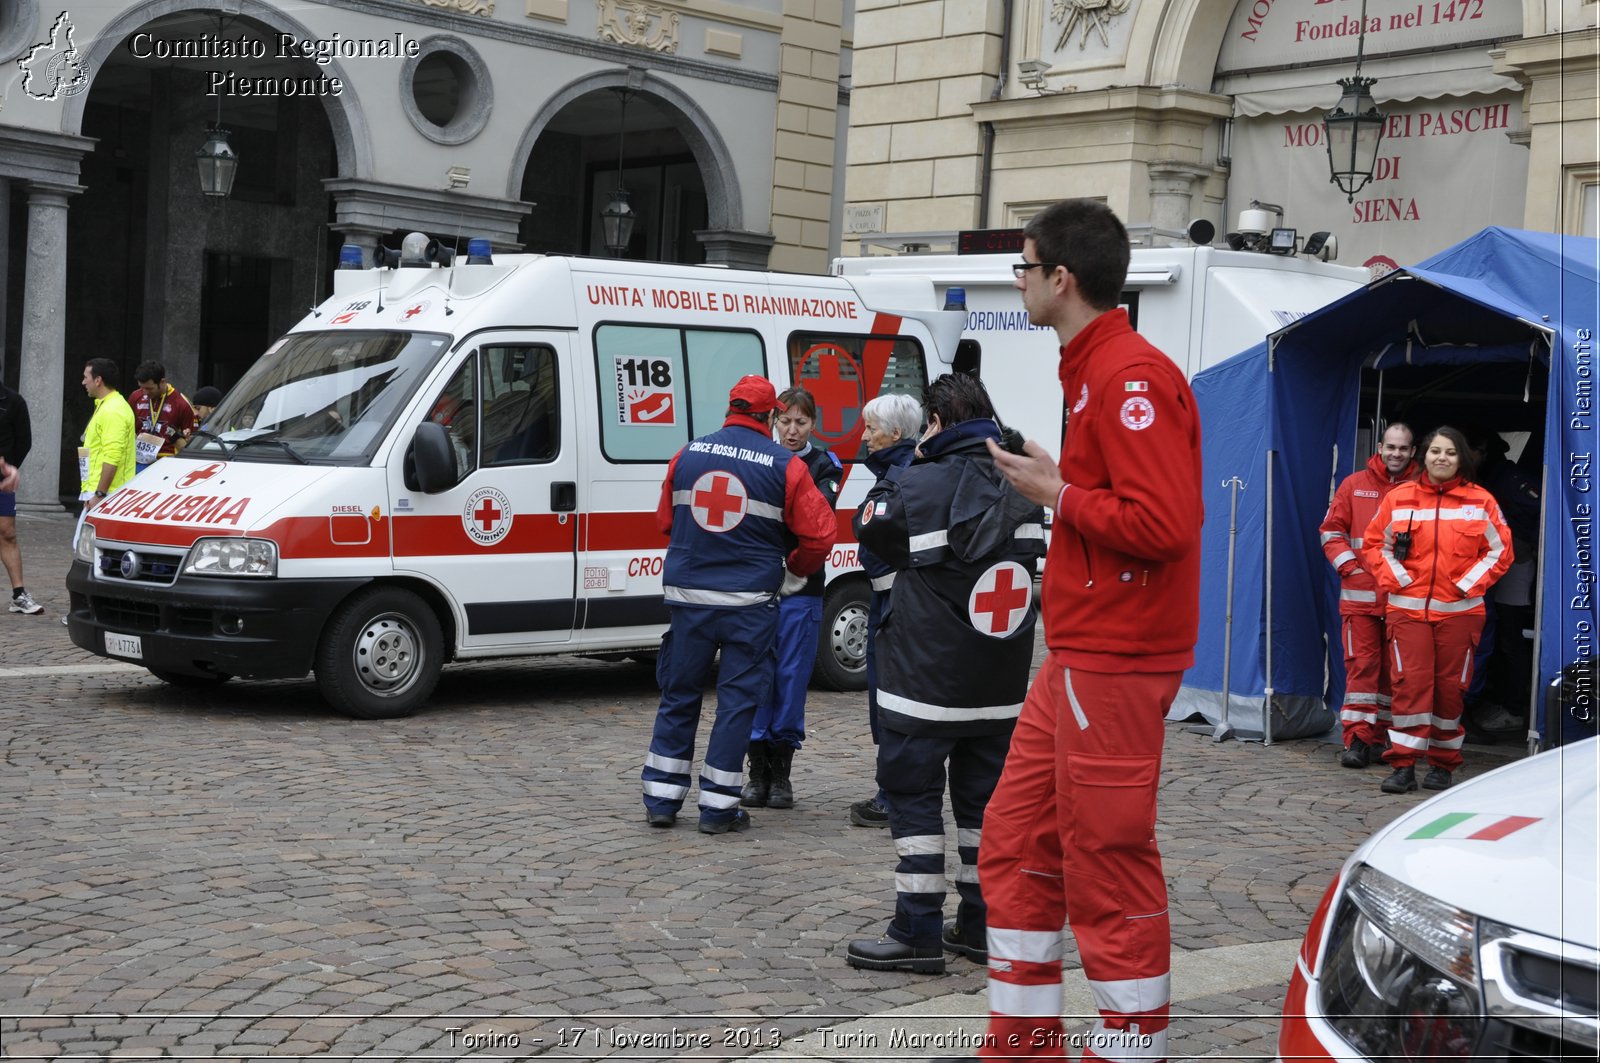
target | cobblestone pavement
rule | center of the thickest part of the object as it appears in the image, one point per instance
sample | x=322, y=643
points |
x=241, y=873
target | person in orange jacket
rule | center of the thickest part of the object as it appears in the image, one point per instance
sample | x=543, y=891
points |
x=1435, y=545
x=1365, y=714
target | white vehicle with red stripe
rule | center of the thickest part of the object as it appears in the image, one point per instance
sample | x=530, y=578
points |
x=1198, y=305
x=446, y=462
x=1465, y=929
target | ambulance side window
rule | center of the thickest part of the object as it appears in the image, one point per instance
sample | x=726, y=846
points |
x=457, y=409
x=661, y=386
x=832, y=368
x=521, y=405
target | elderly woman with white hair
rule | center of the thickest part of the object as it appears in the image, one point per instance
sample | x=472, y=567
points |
x=894, y=423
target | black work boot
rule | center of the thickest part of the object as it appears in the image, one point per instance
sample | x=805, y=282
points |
x=1436, y=779
x=887, y=954
x=1359, y=755
x=779, y=759
x=1403, y=781
x=754, y=794
x=962, y=941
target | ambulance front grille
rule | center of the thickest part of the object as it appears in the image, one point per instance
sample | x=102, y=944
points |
x=137, y=564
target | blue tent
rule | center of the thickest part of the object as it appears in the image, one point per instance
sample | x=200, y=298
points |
x=1505, y=316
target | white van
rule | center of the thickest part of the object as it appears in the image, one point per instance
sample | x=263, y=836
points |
x=1198, y=305
x=452, y=462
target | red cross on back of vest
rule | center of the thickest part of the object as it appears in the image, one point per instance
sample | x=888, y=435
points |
x=1000, y=598
x=718, y=501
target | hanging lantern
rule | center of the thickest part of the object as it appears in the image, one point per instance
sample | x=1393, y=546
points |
x=217, y=163
x=1352, y=132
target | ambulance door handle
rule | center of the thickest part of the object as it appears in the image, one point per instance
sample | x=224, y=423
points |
x=563, y=497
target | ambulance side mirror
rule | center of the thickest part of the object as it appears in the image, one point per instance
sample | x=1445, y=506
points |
x=430, y=465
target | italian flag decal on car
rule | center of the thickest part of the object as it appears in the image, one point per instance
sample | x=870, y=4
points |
x=1474, y=826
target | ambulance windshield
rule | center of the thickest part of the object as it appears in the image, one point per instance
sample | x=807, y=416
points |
x=318, y=398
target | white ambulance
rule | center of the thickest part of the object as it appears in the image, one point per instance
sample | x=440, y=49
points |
x=445, y=462
x=1199, y=305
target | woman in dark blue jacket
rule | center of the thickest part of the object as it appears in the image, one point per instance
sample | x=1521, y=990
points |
x=780, y=723
x=894, y=423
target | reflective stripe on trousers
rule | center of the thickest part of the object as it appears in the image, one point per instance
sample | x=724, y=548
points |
x=1433, y=662
x=912, y=772
x=1046, y=859
x=683, y=670
x=1366, y=679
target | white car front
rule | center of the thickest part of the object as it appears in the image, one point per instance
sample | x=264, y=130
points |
x=1467, y=928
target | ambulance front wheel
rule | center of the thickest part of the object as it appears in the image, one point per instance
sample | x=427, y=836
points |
x=842, y=647
x=380, y=655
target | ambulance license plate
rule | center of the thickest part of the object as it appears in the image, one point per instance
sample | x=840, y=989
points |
x=124, y=646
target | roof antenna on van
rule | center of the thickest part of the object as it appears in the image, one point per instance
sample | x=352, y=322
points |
x=455, y=252
x=316, y=277
x=380, y=257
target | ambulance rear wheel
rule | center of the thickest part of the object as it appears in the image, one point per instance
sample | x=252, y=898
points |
x=380, y=655
x=842, y=646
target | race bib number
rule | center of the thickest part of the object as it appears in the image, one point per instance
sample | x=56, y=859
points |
x=146, y=447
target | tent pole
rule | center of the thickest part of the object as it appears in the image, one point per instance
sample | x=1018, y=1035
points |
x=1266, y=701
x=1377, y=411
x=1535, y=725
x=1224, y=728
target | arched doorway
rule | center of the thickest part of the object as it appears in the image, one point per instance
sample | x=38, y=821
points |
x=218, y=277
x=573, y=169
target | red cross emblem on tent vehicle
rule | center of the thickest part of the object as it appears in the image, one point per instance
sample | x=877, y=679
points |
x=999, y=601
x=486, y=516
x=718, y=501
x=834, y=380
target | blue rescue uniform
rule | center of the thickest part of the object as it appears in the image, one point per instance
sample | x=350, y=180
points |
x=728, y=500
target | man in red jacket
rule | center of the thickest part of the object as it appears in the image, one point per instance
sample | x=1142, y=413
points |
x=1070, y=831
x=1366, y=711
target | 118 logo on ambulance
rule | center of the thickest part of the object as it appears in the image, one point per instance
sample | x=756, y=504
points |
x=644, y=391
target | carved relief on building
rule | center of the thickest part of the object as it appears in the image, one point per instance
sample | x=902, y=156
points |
x=465, y=7
x=641, y=25
x=1085, y=17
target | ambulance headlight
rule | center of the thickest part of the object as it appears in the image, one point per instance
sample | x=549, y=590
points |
x=1399, y=977
x=232, y=557
x=85, y=547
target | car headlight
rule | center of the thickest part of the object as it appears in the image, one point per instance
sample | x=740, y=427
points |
x=232, y=557
x=1399, y=980
x=84, y=550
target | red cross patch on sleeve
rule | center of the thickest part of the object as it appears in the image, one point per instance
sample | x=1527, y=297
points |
x=1138, y=413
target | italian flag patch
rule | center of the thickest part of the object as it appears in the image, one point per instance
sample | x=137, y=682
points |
x=1473, y=826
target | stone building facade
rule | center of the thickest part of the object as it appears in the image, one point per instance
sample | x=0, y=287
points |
x=357, y=121
x=975, y=113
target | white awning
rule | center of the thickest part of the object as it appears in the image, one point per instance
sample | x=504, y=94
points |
x=1402, y=88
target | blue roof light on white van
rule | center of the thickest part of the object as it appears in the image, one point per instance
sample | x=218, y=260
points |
x=479, y=252
x=350, y=257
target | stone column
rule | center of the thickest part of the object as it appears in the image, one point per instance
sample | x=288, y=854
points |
x=735, y=248
x=5, y=263
x=1172, y=187
x=44, y=340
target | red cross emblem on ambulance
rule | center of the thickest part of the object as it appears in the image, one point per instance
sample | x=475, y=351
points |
x=999, y=600
x=718, y=501
x=204, y=472
x=487, y=516
x=834, y=380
